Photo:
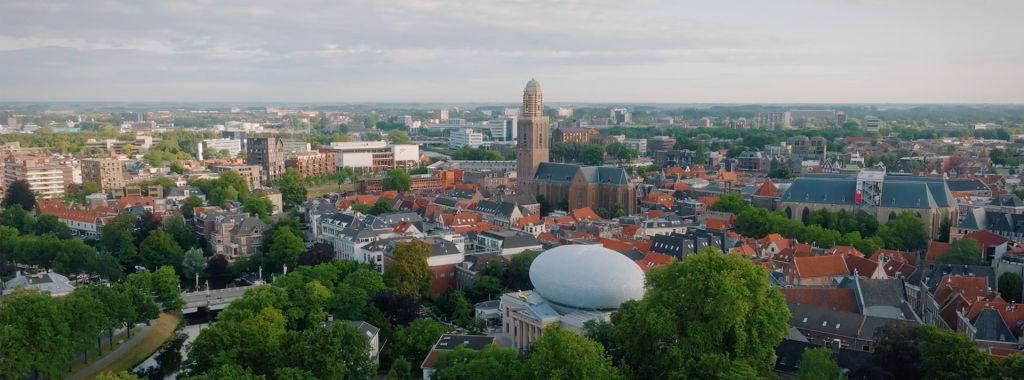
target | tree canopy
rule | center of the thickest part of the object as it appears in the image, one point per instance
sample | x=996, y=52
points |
x=408, y=272
x=398, y=180
x=963, y=252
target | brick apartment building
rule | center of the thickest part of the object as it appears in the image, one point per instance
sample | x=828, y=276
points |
x=311, y=164
x=106, y=173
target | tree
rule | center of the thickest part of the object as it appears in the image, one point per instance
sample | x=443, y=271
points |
x=408, y=272
x=400, y=370
x=398, y=137
x=381, y=208
x=781, y=172
x=293, y=188
x=83, y=312
x=545, y=206
x=963, y=252
x=818, y=365
x=116, y=239
x=127, y=149
x=193, y=263
x=628, y=154
x=905, y=233
x=1010, y=287
x=709, y=308
x=258, y=205
x=36, y=335
x=944, y=228
x=318, y=254
x=398, y=180
x=561, y=354
x=951, y=355
x=1012, y=367
x=338, y=351
x=400, y=309
x=217, y=265
x=17, y=217
x=286, y=248
x=619, y=211
x=492, y=362
x=146, y=224
x=175, y=226
x=897, y=353
x=485, y=288
x=604, y=213
x=415, y=340
x=188, y=207
x=700, y=156
x=592, y=155
x=19, y=193
x=731, y=202
x=517, y=275
x=161, y=284
x=159, y=249
x=123, y=375
x=49, y=224
x=220, y=195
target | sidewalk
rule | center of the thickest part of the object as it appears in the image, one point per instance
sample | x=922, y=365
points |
x=127, y=346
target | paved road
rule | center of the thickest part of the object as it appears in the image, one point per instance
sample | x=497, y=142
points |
x=130, y=344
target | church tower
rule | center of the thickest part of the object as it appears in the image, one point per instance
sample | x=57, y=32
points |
x=534, y=137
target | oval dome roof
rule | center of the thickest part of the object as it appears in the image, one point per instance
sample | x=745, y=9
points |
x=586, y=277
x=532, y=83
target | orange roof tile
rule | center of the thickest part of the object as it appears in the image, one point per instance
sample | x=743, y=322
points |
x=708, y=201
x=819, y=266
x=654, y=213
x=389, y=194
x=767, y=189
x=717, y=224
x=729, y=176
x=844, y=250
x=583, y=214
x=861, y=266
x=546, y=236
x=745, y=250
x=78, y=216
x=522, y=222
x=630, y=230
x=936, y=249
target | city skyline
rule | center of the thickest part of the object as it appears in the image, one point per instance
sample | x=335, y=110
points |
x=648, y=51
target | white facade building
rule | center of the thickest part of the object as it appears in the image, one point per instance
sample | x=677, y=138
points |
x=233, y=147
x=639, y=144
x=374, y=155
x=296, y=146
x=465, y=137
x=503, y=129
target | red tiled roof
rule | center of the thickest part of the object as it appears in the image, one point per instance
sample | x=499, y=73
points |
x=844, y=250
x=820, y=266
x=630, y=230
x=49, y=206
x=389, y=194
x=708, y=201
x=825, y=298
x=986, y=239
x=522, y=222
x=936, y=249
x=728, y=176
x=402, y=226
x=767, y=189
x=745, y=250
x=546, y=236
x=654, y=213
x=460, y=219
x=717, y=224
x=583, y=214
x=861, y=266
x=78, y=216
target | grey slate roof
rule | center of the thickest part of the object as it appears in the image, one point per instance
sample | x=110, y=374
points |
x=249, y=225
x=790, y=352
x=936, y=186
x=975, y=219
x=991, y=327
x=472, y=342
x=605, y=175
x=520, y=199
x=906, y=195
x=966, y=185
x=180, y=191
x=355, y=234
x=366, y=328
x=446, y=201
x=835, y=322
x=47, y=282
x=340, y=219
x=487, y=207
x=1007, y=200
x=463, y=193
x=506, y=209
x=389, y=220
x=512, y=239
x=552, y=172
x=816, y=189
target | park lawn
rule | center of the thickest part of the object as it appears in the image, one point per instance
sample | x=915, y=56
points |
x=162, y=330
x=79, y=364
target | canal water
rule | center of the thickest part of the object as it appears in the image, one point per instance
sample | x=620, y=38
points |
x=166, y=363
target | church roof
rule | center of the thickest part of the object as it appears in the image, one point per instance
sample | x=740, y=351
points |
x=605, y=175
x=552, y=172
x=532, y=83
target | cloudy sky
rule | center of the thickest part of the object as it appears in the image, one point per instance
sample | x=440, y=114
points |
x=735, y=51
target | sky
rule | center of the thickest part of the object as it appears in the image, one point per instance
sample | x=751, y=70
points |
x=630, y=51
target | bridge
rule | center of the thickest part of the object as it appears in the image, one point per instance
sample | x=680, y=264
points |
x=212, y=299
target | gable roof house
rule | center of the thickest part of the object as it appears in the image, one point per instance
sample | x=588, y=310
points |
x=816, y=270
x=449, y=342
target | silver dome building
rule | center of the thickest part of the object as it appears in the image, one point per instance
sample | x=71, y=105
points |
x=573, y=284
x=586, y=277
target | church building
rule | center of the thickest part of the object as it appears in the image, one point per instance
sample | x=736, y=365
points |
x=596, y=187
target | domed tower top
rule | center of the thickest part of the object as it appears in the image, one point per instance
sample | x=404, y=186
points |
x=533, y=99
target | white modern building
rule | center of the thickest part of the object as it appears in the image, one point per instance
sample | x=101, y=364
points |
x=375, y=155
x=465, y=137
x=503, y=129
x=232, y=146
